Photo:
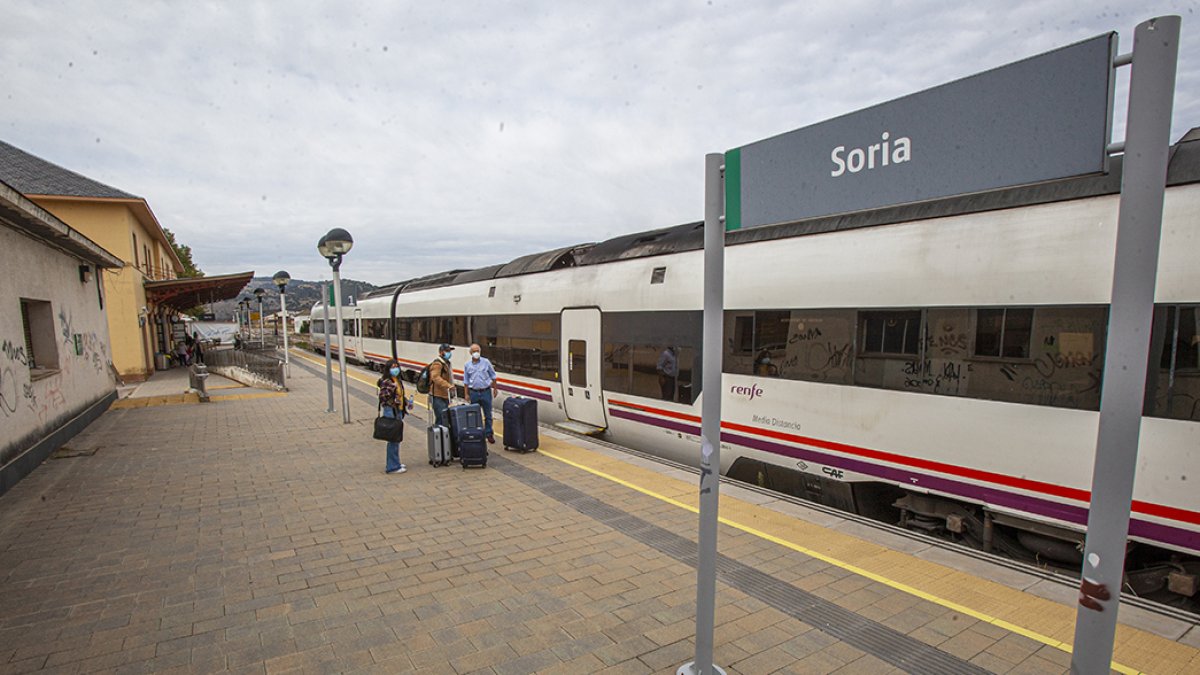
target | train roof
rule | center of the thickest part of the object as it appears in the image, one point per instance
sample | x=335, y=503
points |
x=1183, y=168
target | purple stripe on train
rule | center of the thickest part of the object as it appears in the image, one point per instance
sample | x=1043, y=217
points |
x=529, y=393
x=1073, y=514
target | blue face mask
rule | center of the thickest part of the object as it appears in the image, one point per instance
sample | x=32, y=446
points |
x=446, y=356
x=395, y=372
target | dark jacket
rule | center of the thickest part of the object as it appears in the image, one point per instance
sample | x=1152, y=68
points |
x=391, y=392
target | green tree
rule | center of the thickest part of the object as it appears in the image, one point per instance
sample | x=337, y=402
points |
x=185, y=256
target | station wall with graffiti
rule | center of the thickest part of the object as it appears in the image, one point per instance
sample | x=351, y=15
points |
x=55, y=359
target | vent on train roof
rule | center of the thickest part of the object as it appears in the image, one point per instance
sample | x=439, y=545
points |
x=689, y=237
x=544, y=261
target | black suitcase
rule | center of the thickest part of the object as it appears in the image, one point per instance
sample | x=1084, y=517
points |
x=520, y=424
x=463, y=417
x=472, y=448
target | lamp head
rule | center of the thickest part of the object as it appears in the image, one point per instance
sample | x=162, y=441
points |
x=337, y=241
x=259, y=293
x=281, y=279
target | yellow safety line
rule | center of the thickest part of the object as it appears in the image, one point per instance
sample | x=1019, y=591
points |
x=240, y=397
x=1000, y=623
x=354, y=375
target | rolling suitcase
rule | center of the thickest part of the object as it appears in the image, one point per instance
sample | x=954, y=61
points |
x=520, y=424
x=460, y=417
x=472, y=449
x=439, y=445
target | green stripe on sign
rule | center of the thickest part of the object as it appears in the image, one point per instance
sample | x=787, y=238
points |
x=733, y=189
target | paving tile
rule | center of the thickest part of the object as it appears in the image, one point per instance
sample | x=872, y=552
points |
x=227, y=550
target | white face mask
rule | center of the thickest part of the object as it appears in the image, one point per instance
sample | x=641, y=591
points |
x=475, y=355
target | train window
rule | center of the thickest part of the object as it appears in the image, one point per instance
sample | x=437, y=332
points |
x=652, y=354
x=577, y=362
x=890, y=332
x=1183, y=336
x=521, y=344
x=1003, y=332
x=616, y=371
x=1173, y=388
x=403, y=329
x=375, y=328
x=348, y=327
x=743, y=334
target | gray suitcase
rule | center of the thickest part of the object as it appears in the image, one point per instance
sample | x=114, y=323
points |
x=439, y=445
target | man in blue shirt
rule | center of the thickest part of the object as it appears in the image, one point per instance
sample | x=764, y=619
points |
x=480, y=379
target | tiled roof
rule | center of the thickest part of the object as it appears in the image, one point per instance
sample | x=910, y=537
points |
x=33, y=175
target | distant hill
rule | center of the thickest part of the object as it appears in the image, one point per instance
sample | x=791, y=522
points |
x=301, y=295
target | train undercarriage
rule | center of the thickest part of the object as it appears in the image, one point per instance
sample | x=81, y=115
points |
x=1159, y=575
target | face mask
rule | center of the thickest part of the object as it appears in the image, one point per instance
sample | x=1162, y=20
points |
x=475, y=355
x=766, y=360
x=446, y=356
x=395, y=372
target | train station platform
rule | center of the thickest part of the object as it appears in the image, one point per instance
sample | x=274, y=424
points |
x=260, y=534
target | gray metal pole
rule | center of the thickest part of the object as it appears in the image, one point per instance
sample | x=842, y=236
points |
x=283, y=310
x=337, y=305
x=1139, y=227
x=262, y=331
x=328, y=362
x=710, y=413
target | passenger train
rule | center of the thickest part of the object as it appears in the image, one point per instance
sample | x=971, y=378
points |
x=936, y=365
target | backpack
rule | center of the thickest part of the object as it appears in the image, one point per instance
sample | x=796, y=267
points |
x=423, y=380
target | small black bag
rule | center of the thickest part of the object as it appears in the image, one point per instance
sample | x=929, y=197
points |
x=390, y=429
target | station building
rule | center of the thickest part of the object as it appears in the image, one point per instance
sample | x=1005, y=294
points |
x=55, y=370
x=144, y=294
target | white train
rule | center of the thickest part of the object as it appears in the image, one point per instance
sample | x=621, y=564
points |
x=935, y=364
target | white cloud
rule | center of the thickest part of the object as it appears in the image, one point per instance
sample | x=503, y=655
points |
x=458, y=135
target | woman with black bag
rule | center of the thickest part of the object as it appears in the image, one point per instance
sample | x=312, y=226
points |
x=392, y=405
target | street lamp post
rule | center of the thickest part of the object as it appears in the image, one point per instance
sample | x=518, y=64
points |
x=281, y=279
x=244, y=320
x=335, y=244
x=246, y=310
x=262, y=331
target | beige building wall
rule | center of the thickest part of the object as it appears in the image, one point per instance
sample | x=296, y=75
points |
x=70, y=349
x=114, y=225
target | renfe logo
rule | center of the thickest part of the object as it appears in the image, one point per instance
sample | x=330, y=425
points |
x=752, y=391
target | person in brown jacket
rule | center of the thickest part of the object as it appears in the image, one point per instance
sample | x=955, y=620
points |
x=441, y=382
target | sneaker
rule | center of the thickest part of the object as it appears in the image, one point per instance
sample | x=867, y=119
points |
x=402, y=469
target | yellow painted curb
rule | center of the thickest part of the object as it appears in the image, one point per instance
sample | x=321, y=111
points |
x=1040, y=621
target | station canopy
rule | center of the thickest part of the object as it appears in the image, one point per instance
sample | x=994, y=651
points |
x=184, y=294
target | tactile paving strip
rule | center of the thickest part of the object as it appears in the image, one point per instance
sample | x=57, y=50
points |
x=868, y=636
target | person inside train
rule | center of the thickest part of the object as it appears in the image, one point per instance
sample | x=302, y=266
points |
x=668, y=371
x=441, y=383
x=392, y=403
x=479, y=377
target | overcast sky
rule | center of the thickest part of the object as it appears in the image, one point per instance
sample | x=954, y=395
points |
x=456, y=135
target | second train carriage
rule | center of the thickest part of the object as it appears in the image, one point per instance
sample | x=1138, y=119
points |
x=937, y=364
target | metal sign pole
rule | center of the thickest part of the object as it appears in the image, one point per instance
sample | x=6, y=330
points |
x=1139, y=227
x=287, y=363
x=328, y=359
x=710, y=413
x=337, y=308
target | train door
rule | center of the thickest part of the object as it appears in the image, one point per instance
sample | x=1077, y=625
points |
x=360, y=350
x=580, y=367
